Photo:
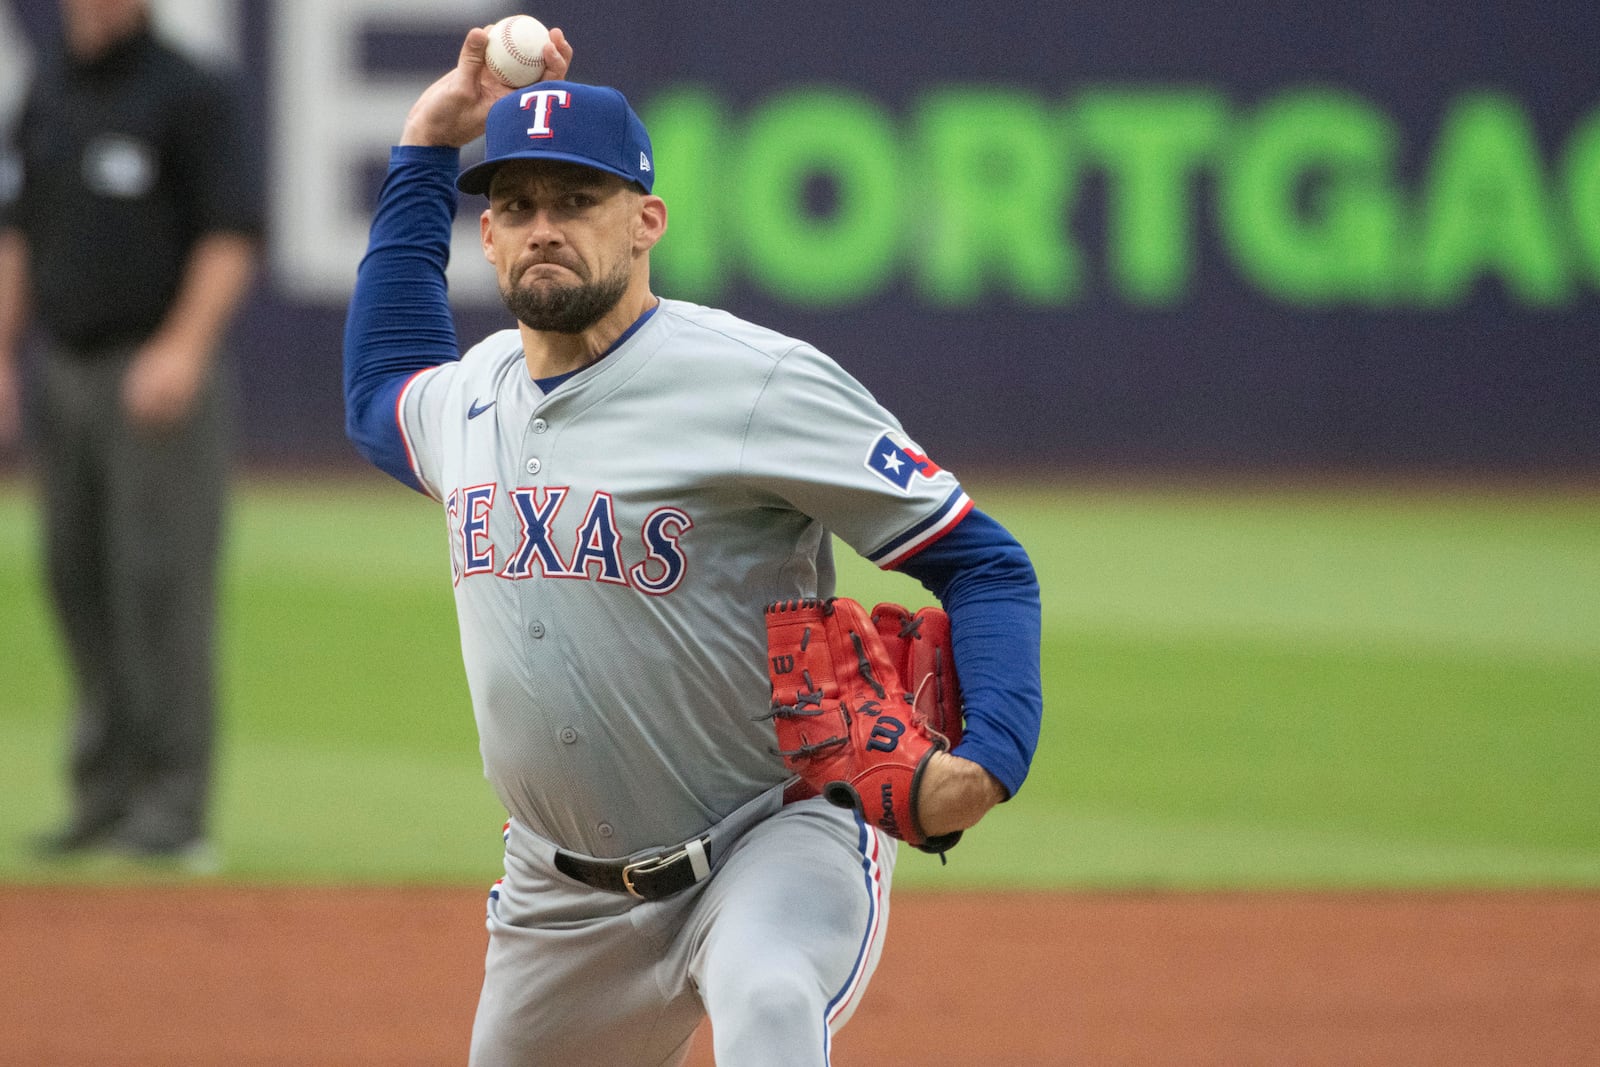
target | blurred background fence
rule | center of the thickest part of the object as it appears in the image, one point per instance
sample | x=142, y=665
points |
x=1053, y=238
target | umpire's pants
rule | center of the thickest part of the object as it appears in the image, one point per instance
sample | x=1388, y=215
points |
x=133, y=523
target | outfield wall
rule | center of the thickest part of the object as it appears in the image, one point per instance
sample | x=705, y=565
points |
x=1145, y=234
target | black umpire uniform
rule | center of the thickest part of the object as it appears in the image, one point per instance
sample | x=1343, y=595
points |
x=128, y=160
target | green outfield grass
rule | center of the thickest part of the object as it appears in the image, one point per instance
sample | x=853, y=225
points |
x=1318, y=688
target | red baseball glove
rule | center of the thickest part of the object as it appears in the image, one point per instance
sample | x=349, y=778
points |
x=862, y=702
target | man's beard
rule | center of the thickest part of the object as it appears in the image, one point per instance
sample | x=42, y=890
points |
x=566, y=309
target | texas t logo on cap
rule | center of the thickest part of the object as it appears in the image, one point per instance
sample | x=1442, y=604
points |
x=539, y=101
x=591, y=125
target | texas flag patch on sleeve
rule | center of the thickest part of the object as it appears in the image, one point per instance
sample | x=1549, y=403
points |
x=897, y=460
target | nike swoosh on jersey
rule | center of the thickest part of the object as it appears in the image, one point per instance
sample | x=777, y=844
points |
x=474, y=410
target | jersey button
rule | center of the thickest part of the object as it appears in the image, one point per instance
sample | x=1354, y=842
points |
x=569, y=736
x=536, y=630
x=533, y=466
x=540, y=426
x=605, y=829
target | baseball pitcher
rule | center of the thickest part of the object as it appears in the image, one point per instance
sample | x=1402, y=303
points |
x=707, y=758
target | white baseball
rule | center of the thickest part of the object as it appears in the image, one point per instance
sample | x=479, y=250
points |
x=516, y=50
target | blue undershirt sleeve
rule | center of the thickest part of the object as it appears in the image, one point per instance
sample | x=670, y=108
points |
x=399, y=321
x=985, y=581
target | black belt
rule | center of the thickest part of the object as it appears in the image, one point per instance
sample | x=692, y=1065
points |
x=650, y=877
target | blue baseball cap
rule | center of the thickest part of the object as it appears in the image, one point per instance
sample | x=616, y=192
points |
x=591, y=125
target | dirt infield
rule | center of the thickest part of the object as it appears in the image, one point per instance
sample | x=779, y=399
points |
x=214, y=975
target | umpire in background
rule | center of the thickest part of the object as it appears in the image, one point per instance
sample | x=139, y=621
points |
x=131, y=237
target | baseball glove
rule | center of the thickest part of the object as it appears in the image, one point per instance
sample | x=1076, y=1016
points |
x=862, y=702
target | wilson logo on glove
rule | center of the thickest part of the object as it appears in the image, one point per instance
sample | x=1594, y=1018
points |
x=886, y=734
x=876, y=697
x=887, y=821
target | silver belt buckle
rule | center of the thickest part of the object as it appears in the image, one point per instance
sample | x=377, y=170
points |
x=648, y=866
x=693, y=850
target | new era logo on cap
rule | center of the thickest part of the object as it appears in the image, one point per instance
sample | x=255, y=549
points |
x=591, y=125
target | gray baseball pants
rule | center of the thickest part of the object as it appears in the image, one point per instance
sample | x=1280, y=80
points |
x=776, y=946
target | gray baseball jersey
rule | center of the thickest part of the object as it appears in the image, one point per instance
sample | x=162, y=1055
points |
x=613, y=544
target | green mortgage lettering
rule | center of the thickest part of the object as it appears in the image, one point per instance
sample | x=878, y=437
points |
x=824, y=197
